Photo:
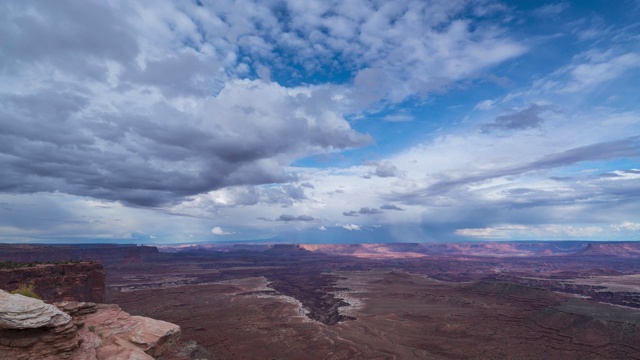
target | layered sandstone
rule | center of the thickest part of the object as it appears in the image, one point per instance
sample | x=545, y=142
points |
x=31, y=329
x=19, y=312
x=80, y=281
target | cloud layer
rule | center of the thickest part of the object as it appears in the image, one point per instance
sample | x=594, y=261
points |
x=412, y=120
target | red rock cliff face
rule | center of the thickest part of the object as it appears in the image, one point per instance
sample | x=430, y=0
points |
x=84, y=281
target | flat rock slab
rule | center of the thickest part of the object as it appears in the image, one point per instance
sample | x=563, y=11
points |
x=21, y=312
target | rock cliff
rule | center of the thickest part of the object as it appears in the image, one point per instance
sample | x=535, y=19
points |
x=612, y=249
x=83, y=281
x=107, y=254
x=31, y=329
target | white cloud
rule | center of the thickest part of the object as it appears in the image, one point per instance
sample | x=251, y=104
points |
x=177, y=108
x=602, y=67
x=550, y=231
x=550, y=10
x=218, y=231
x=352, y=227
x=626, y=226
x=481, y=233
x=485, y=105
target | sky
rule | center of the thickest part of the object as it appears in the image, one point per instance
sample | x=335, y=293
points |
x=319, y=121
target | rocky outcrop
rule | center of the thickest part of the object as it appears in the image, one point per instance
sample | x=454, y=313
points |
x=114, y=334
x=82, y=281
x=31, y=329
x=21, y=312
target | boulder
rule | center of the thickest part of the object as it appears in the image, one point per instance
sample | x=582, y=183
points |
x=21, y=312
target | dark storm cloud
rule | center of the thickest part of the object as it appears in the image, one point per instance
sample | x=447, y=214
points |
x=369, y=211
x=41, y=116
x=138, y=159
x=71, y=35
x=525, y=119
x=287, y=218
x=96, y=122
x=390, y=207
x=362, y=211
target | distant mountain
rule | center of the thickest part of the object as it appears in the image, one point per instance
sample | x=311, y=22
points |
x=629, y=249
x=372, y=251
x=487, y=249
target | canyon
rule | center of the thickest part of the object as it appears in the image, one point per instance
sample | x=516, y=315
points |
x=556, y=300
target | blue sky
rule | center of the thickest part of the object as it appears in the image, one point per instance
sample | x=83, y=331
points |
x=319, y=121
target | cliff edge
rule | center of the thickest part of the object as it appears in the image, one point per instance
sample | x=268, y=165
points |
x=79, y=281
x=32, y=329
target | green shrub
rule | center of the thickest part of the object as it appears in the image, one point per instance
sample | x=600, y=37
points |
x=92, y=328
x=26, y=290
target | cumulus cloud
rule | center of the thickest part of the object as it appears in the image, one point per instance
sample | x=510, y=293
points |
x=206, y=109
x=139, y=110
x=218, y=231
x=626, y=226
x=351, y=227
x=160, y=158
x=148, y=108
x=383, y=169
x=284, y=195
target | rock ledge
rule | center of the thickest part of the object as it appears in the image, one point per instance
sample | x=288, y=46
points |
x=31, y=329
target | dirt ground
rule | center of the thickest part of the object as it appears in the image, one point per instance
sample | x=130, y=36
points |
x=398, y=316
